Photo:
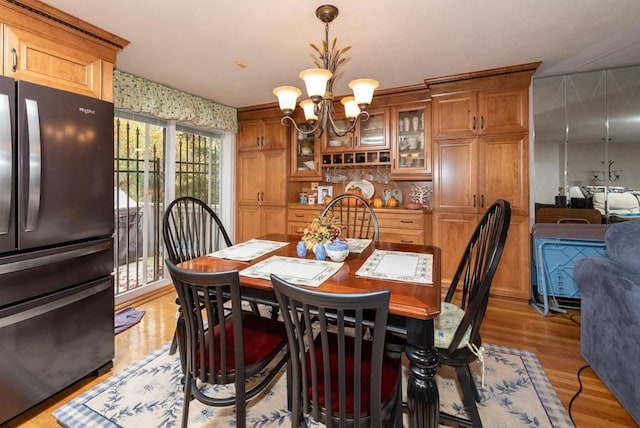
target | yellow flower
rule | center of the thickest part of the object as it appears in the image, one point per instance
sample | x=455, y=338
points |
x=320, y=231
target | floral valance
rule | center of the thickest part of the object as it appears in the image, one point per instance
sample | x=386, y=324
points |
x=140, y=95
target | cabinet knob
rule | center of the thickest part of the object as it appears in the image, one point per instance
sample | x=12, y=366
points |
x=299, y=215
x=482, y=122
x=406, y=241
x=406, y=221
x=474, y=123
x=474, y=201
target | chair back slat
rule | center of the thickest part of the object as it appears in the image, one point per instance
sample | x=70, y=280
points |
x=190, y=229
x=216, y=330
x=355, y=215
x=336, y=372
x=477, y=268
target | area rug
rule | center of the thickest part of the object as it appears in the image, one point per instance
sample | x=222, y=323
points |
x=517, y=393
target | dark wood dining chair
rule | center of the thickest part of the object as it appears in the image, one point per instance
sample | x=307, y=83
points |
x=336, y=378
x=225, y=345
x=356, y=216
x=457, y=328
x=190, y=229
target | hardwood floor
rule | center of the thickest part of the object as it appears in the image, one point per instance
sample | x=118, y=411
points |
x=555, y=339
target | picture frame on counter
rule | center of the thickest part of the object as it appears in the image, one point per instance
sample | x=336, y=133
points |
x=324, y=191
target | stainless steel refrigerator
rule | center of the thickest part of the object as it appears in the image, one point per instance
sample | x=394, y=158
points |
x=56, y=233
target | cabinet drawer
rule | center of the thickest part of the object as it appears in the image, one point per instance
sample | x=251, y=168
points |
x=403, y=220
x=402, y=236
x=296, y=228
x=303, y=215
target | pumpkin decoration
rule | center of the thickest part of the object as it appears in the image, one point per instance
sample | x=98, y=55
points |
x=377, y=202
x=392, y=202
x=354, y=191
x=326, y=200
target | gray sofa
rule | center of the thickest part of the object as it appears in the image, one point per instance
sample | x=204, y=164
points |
x=610, y=319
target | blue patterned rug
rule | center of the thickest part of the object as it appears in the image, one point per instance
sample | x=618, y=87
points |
x=517, y=393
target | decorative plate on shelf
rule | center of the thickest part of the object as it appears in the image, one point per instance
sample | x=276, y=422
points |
x=365, y=186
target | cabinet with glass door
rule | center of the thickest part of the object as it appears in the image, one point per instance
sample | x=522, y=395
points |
x=373, y=133
x=411, y=145
x=305, y=156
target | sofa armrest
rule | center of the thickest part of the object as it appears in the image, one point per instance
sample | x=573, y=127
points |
x=610, y=316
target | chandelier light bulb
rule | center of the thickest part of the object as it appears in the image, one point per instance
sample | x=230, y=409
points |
x=309, y=109
x=287, y=97
x=315, y=79
x=351, y=109
x=363, y=90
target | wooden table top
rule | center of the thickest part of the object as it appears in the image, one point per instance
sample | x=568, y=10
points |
x=420, y=301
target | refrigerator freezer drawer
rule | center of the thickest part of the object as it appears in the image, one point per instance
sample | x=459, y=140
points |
x=51, y=342
x=26, y=276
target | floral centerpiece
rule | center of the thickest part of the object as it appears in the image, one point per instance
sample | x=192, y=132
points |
x=320, y=231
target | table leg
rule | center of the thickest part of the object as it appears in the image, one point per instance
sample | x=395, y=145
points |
x=422, y=390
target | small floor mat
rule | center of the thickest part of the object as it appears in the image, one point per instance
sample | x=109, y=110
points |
x=126, y=318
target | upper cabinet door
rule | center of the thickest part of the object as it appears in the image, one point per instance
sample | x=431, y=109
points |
x=373, y=134
x=454, y=116
x=502, y=111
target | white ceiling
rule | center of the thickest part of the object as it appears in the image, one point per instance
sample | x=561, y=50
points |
x=194, y=45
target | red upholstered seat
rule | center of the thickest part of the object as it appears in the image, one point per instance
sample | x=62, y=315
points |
x=390, y=369
x=262, y=338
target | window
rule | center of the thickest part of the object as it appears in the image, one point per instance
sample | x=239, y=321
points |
x=155, y=161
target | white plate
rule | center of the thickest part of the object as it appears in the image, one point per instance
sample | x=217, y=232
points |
x=365, y=186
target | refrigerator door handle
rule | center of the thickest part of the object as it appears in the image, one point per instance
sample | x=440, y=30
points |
x=6, y=164
x=52, y=258
x=35, y=164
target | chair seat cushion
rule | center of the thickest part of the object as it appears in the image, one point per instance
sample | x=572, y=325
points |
x=263, y=338
x=446, y=324
x=390, y=375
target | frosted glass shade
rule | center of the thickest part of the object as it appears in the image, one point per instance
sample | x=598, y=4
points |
x=351, y=109
x=308, y=107
x=363, y=90
x=315, y=79
x=287, y=97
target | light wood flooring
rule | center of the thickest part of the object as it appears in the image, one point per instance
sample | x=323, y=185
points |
x=555, y=339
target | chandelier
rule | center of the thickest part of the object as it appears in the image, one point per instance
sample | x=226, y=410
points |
x=318, y=108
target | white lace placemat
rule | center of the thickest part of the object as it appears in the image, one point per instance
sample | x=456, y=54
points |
x=398, y=266
x=248, y=250
x=297, y=271
x=356, y=246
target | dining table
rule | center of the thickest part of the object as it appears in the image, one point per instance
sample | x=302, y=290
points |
x=413, y=305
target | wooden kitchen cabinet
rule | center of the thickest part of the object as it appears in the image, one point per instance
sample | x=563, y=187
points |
x=372, y=134
x=43, y=45
x=490, y=111
x=471, y=173
x=395, y=224
x=480, y=154
x=411, y=142
x=305, y=154
x=451, y=232
x=261, y=176
x=261, y=134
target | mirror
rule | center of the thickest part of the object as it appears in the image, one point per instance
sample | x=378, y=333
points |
x=586, y=132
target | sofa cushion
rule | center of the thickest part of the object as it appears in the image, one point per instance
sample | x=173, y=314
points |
x=622, y=242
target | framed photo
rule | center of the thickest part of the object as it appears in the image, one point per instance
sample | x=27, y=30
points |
x=324, y=191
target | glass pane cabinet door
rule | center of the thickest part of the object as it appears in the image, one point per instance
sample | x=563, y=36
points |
x=305, y=159
x=412, y=154
x=334, y=143
x=373, y=132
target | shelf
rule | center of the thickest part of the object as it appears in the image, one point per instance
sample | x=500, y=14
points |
x=382, y=157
